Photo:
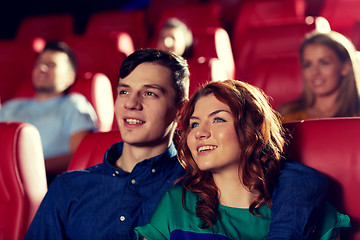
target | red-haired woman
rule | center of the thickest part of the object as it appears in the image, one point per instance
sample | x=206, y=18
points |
x=231, y=146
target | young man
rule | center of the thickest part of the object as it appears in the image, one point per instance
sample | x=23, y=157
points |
x=109, y=200
x=62, y=119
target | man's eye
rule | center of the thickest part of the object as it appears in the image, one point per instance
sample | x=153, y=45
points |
x=194, y=125
x=121, y=92
x=150, y=94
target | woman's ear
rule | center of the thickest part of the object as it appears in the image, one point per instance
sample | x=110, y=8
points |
x=346, y=68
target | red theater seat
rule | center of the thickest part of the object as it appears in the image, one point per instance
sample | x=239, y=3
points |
x=92, y=149
x=341, y=14
x=332, y=147
x=12, y=69
x=111, y=22
x=257, y=13
x=22, y=178
x=268, y=42
x=97, y=54
x=203, y=70
x=214, y=43
x=51, y=27
x=280, y=78
x=195, y=16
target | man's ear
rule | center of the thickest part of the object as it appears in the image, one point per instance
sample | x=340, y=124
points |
x=180, y=108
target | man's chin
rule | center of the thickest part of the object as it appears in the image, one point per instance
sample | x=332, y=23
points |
x=44, y=89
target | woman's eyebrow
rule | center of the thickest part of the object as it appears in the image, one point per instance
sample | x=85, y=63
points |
x=211, y=114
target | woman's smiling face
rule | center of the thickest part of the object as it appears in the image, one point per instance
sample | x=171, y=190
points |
x=212, y=139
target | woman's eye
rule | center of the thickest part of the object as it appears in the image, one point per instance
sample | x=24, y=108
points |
x=194, y=125
x=325, y=63
x=306, y=65
x=219, y=120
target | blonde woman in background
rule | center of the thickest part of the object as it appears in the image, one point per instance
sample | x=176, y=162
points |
x=331, y=79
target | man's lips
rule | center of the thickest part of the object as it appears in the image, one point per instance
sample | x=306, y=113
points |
x=133, y=121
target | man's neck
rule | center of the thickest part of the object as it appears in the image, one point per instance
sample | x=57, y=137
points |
x=133, y=154
x=41, y=97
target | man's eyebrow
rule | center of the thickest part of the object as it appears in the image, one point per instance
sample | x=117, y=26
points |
x=122, y=85
x=212, y=113
x=155, y=86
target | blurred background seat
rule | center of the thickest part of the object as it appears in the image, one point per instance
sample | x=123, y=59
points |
x=270, y=41
x=257, y=13
x=331, y=146
x=51, y=27
x=280, y=78
x=22, y=178
x=111, y=22
x=92, y=149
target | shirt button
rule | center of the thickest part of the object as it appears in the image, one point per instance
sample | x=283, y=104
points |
x=117, y=172
x=113, y=174
x=153, y=170
x=122, y=218
x=133, y=181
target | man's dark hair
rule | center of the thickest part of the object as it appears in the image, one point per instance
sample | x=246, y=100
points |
x=176, y=64
x=59, y=46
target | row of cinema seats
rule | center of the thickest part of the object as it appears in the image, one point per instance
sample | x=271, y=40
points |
x=328, y=145
x=264, y=33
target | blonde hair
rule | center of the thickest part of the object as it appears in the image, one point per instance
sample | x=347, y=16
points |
x=349, y=90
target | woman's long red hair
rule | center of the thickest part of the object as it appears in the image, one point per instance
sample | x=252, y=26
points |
x=260, y=134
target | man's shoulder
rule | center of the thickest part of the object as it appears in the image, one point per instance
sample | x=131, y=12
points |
x=76, y=175
x=293, y=171
x=13, y=103
x=75, y=98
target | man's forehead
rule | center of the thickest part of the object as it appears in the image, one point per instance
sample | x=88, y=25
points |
x=148, y=74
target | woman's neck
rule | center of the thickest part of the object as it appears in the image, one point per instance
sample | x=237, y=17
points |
x=232, y=192
x=326, y=106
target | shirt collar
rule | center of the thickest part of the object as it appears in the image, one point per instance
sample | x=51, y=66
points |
x=160, y=161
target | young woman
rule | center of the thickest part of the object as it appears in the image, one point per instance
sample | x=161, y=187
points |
x=231, y=146
x=331, y=79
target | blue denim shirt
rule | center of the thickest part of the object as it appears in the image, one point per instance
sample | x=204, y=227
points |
x=104, y=202
x=297, y=198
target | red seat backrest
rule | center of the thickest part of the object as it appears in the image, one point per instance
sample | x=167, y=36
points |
x=51, y=27
x=111, y=22
x=92, y=149
x=22, y=178
x=332, y=147
x=195, y=16
x=257, y=13
x=280, y=78
x=12, y=69
x=341, y=14
x=267, y=42
x=203, y=70
x=214, y=43
x=97, y=54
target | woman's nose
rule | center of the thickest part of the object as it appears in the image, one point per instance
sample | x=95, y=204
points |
x=202, y=132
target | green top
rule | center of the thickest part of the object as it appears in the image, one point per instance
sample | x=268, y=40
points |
x=170, y=219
